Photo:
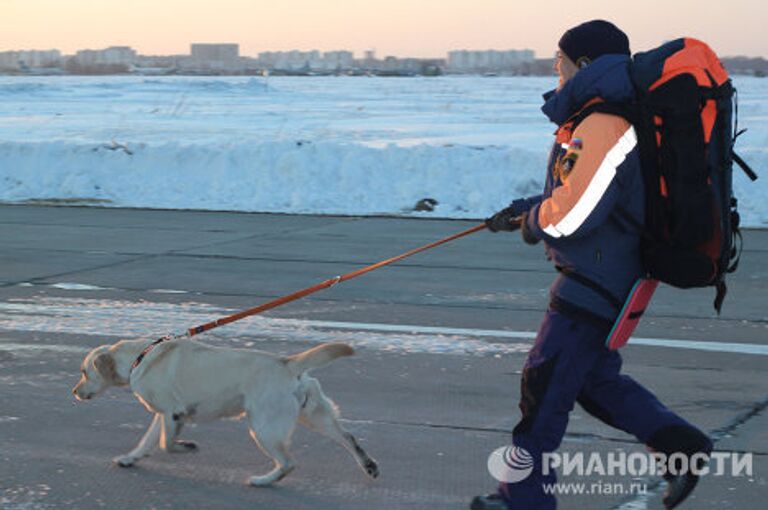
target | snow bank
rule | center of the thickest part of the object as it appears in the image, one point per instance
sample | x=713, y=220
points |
x=297, y=177
x=298, y=145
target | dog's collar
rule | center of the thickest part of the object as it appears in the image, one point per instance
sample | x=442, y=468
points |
x=147, y=350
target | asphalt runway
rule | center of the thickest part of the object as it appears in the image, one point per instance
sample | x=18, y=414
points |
x=432, y=391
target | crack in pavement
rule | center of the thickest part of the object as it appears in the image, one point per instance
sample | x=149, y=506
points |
x=571, y=436
x=654, y=487
x=739, y=420
x=176, y=252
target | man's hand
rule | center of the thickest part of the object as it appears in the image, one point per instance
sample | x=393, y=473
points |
x=507, y=219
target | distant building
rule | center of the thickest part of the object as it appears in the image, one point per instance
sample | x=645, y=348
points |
x=9, y=60
x=297, y=60
x=159, y=60
x=37, y=58
x=23, y=59
x=307, y=61
x=112, y=56
x=215, y=52
x=754, y=66
x=225, y=59
x=213, y=58
x=338, y=60
x=394, y=65
x=510, y=61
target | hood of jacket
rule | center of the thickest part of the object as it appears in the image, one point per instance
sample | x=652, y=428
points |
x=607, y=78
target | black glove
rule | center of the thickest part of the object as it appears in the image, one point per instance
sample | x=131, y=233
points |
x=507, y=219
x=528, y=236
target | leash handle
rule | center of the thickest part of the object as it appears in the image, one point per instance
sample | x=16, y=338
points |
x=323, y=285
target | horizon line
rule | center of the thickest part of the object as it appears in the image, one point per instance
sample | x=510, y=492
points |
x=354, y=52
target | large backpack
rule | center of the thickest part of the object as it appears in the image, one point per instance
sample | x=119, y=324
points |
x=686, y=127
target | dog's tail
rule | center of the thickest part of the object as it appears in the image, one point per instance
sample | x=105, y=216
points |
x=317, y=357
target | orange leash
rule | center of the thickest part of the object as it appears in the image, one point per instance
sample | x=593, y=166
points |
x=322, y=285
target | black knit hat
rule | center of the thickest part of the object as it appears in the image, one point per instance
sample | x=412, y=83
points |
x=588, y=41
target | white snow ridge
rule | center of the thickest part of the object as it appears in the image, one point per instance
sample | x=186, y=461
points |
x=327, y=145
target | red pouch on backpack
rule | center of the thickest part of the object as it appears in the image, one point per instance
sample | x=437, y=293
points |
x=630, y=315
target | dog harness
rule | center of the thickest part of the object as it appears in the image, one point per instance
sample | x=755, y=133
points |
x=147, y=350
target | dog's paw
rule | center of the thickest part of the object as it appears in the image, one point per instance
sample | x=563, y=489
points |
x=185, y=446
x=261, y=481
x=125, y=461
x=273, y=476
x=371, y=468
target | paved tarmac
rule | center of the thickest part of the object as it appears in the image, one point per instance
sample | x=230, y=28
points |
x=432, y=391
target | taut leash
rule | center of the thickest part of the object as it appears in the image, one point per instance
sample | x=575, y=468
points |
x=299, y=294
x=323, y=285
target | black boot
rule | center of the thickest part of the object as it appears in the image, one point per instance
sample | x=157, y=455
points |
x=678, y=488
x=489, y=502
x=688, y=441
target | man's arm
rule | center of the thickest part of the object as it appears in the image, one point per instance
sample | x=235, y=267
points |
x=589, y=190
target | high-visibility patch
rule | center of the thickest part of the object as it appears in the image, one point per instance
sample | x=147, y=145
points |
x=564, y=165
x=569, y=161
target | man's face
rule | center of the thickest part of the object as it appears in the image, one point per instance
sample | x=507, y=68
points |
x=565, y=68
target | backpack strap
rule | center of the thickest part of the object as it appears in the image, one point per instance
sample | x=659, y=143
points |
x=579, y=314
x=744, y=166
x=627, y=111
x=722, y=290
x=587, y=282
x=735, y=254
x=737, y=133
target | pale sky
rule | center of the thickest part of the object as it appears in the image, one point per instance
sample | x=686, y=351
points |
x=420, y=28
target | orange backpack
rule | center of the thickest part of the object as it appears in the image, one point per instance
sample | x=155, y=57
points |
x=684, y=115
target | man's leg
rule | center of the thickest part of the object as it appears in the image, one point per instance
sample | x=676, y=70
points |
x=554, y=373
x=621, y=402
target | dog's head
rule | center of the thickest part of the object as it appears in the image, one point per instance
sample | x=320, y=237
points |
x=98, y=372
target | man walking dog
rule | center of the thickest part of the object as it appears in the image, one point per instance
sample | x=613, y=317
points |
x=593, y=168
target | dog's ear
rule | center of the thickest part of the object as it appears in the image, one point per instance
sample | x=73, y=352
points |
x=105, y=364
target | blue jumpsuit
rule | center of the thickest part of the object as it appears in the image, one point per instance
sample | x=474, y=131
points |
x=593, y=169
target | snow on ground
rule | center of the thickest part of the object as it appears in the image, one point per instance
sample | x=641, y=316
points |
x=332, y=145
x=103, y=317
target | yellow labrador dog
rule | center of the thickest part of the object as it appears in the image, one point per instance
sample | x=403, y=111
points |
x=183, y=380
